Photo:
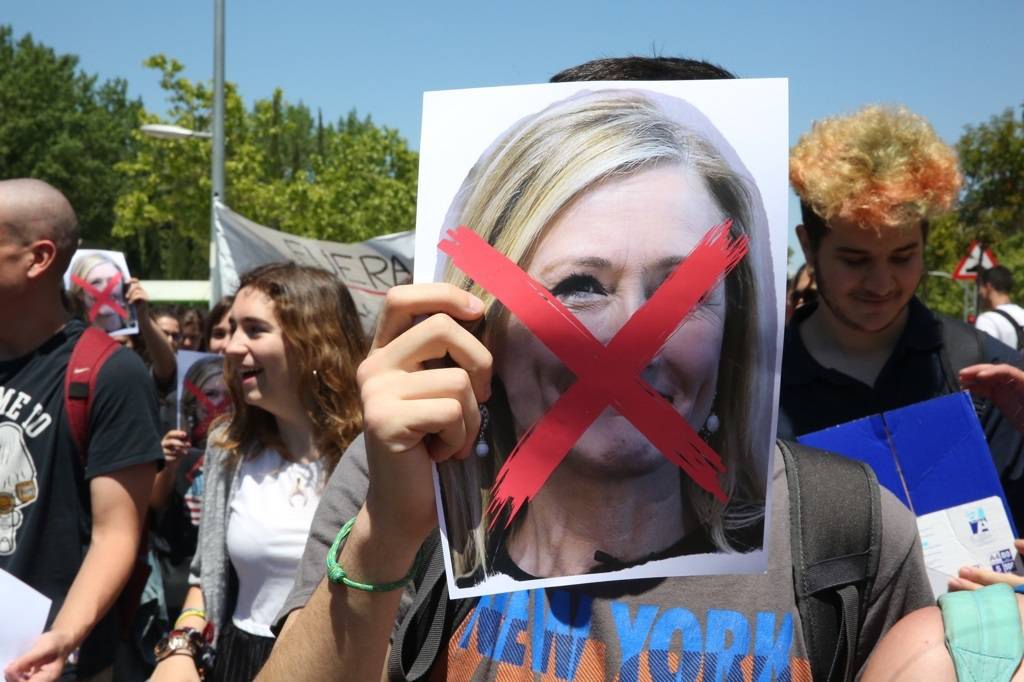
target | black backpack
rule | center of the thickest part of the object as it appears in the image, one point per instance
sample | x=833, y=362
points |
x=835, y=560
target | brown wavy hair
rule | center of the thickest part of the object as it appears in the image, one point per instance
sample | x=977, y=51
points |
x=324, y=337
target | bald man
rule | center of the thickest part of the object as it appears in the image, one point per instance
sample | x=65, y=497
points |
x=67, y=528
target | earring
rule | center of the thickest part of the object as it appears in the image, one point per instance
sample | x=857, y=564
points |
x=482, y=449
x=710, y=428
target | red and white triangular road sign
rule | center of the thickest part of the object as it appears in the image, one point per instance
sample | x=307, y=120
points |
x=976, y=259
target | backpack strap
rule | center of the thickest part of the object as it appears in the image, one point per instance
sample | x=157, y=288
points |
x=835, y=556
x=430, y=620
x=983, y=632
x=962, y=346
x=1016, y=327
x=91, y=351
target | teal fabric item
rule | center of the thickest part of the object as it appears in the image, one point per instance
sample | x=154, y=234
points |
x=983, y=633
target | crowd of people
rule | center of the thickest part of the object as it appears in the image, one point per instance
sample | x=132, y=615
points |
x=282, y=524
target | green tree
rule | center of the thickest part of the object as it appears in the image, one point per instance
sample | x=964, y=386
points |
x=991, y=207
x=992, y=159
x=164, y=204
x=59, y=124
x=346, y=181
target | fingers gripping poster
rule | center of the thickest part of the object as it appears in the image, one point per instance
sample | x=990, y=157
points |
x=629, y=243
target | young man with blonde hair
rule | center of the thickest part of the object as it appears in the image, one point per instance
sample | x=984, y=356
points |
x=869, y=183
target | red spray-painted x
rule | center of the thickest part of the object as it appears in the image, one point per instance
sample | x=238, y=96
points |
x=213, y=410
x=605, y=375
x=102, y=298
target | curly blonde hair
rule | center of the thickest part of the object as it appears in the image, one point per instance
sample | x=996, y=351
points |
x=881, y=167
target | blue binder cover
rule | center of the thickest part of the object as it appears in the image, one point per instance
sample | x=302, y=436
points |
x=932, y=455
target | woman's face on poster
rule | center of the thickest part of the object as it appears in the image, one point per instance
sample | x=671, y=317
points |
x=603, y=256
x=215, y=391
x=99, y=277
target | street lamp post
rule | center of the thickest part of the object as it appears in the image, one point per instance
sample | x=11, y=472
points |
x=175, y=132
x=218, y=142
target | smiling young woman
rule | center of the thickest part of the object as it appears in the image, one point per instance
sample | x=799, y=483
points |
x=290, y=363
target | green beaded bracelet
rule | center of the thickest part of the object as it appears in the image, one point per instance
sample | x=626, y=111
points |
x=336, y=574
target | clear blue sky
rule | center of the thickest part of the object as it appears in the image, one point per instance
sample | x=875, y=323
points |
x=955, y=62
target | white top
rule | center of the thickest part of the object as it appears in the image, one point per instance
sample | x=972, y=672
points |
x=272, y=506
x=998, y=326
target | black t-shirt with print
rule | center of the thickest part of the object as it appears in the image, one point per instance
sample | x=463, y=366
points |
x=45, y=518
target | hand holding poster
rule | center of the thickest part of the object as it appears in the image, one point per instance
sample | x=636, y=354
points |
x=96, y=282
x=619, y=238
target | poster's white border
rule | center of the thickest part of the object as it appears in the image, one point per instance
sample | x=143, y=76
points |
x=753, y=115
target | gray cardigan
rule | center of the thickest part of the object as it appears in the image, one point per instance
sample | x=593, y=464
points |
x=211, y=558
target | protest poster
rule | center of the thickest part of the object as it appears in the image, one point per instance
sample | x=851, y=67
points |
x=628, y=240
x=367, y=268
x=96, y=282
x=202, y=393
x=934, y=458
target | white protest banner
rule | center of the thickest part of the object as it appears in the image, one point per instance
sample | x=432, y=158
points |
x=367, y=268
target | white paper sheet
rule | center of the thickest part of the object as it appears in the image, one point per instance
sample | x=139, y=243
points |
x=973, y=534
x=25, y=612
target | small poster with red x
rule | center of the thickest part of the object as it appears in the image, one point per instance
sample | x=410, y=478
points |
x=96, y=283
x=628, y=241
x=202, y=394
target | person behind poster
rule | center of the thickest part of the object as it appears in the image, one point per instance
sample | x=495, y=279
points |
x=216, y=327
x=191, y=329
x=97, y=269
x=177, y=496
x=716, y=626
x=598, y=197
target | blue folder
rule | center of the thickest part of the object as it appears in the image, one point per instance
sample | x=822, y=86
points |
x=931, y=455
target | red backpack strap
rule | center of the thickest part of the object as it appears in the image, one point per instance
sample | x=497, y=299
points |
x=90, y=352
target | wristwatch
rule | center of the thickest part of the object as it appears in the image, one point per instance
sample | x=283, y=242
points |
x=189, y=639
